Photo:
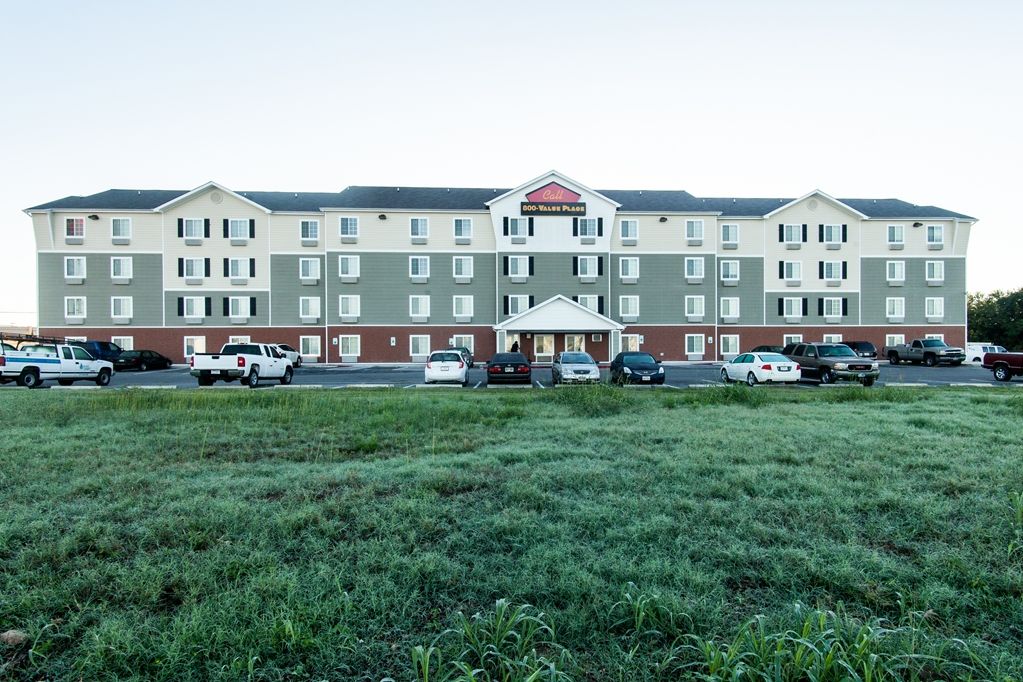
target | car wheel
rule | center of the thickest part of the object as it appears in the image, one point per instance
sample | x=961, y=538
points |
x=751, y=379
x=724, y=376
x=103, y=378
x=298, y=362
x=893, y=358
x=1002, y=373
x=65, y=382
x=827, y=377
x=143, y=367
x=868, y=382
x=288, y=375
x=205, y=381
x=930, y=360
x=253, y=379
x=29, y=379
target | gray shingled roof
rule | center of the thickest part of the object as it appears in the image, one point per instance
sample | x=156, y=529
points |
x=474, y=199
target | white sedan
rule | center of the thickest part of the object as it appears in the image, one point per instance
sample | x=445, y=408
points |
x=447, y=366
x=755, y=368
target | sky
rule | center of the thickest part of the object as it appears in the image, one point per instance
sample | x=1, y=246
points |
x=918, y=100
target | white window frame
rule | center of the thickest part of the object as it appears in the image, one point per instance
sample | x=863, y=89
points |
x=628, y=306
x=125, y=342
x=354, y=303
x=832, y=338
x=835, y=268
x=113, y=233
x=315, y=271
x=899, y=266
x=467, y=310
x=196, y=342
x=895, y=306
x=585, y=299
x=125, y=273
x=353, y=343
x=899, y=231
x=894, y=339
x=692, y=348
x=796, y=301
x=939, y=337
x=633, y=267
x=243, y=306
x=724, y=228
x=126, y=305
x=574, y=347
x=832, y=306
x=307, y=341
x=425, y=274
x=518, y=266
x=313, y=234
x=591, y=266
x=464, y=259
x=75, y=315
x=348, y=226
x=939, y=271
x=940, y=231
x=232, y=223
x=74, y=259
x=793, y=273
x=243, y=268
x=786, y=339
x=696, y=306
x=518, y=227
x=200, y=262
x=728, y=344
x=517, y=303
x=74, y=228
x=466, y=340
x=352, y=260
x=633, y=223
x=796, y=230
x=587, y=227
x=630, y=342
x=835, y=236
x=241, y=338
x=694, y=228
x=454, y=228
x=188, y=223
x=423, y=303
x=726, y=265
x=314, y=306
x=418, y=222
x=934, y=306
x=413, y=339
x=198, y=304
x=694, y=260
x=727, y=303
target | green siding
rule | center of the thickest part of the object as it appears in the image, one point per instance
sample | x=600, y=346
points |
x=552, y=275
x=287, y=287
x=217, y=317
x=914, y=290
x=145, y=289
x=384, y=287
x=662, y=288
x=812, y=297
x=750, y=290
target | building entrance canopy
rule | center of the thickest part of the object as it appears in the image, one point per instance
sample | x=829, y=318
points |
x=560, y=319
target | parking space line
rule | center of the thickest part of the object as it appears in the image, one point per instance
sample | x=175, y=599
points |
x=299, y=386
x=906, y=384
x=368, y=386
x=539, y=384
x=150, y=387
x=478, y=384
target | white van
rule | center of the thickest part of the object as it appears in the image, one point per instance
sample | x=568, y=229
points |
x=975, y=350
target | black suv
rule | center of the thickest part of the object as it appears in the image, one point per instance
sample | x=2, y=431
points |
x=101, y=350
x=832, y=362
x=864, y=349
x=636, y=368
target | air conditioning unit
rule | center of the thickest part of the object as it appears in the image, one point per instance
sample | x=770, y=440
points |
x=596, y=337
x=529, y=336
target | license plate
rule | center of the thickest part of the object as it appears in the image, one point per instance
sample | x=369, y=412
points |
x=445, y=369
x=783, y=368
x=861, y=375
x=646, y=378
x=509, y=370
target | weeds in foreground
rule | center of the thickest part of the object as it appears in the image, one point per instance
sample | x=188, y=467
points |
x=1016, y=504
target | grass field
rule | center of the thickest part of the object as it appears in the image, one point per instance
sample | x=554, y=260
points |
x=590, y=534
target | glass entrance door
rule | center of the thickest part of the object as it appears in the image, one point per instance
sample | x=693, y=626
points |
x=543, y=347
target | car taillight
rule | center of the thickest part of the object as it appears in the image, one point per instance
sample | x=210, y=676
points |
x=522, y=369
x=3, y=361
x=494, y=369
x=241, y=361
x=429, y=366
x=766, y=367
x=461, y=364
x=797, y=368
x=191, y=361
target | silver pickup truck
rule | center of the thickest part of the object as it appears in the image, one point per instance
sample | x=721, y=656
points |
x=245, y=362
x=930, y=352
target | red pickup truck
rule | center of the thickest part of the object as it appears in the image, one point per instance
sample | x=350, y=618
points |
x=1004, y=365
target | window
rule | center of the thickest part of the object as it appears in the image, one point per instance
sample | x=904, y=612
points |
x=629, y=268
x=238, y=228
x=238, y=306
x=518, y=304
x=463, y=228
x=349, y=305
x=74, y=267
x=591, y=301
x=935, y=271
x=694, y=306
x=74, y=227
x=730, y=235
x=894, y=339
x=120, y=228
x=587, y=266
x=74, y=306
x=194, y=344
x=419, y=266
x=309, y=346
x=792, y=271
x=630, y=342
x=729, y=308
x=125, y=342
x=121, y=266
x=832, y=307
x=462, y=266
x=419, y=227
x=575, y=343
x=309, y=268
x=120, y=306
x=694, y=230
x=543, y=346
x=832, y=338
x=935, y=235
x=348, y=226
x=629, y=229
x=832, y=270
x=896, y=234
x=518, y=266
x=895, y=307
x=896, y=270
x=587, y=227
x=238, y=268
x=694, y=268
x=629, y=306
x=193, y=228
x=309, y=306
x=462, y=306
x=729, y=344
x=694, y=344
x=194, y=306
x=937, y=337
x=791, y=338
x=348, y=266
x=309, y=230
x=349, y=345
x=792, y=307
x=464, y=341
x=729, y=271
x=419, y=306
x=832, y=234
x=792, y=234
x=518, y=227
x=195, y=268
x=934, y=307
x=419, y=344
x=239, y=339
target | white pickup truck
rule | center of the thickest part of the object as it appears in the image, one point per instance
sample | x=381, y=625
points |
x=247, y=362
x=63, y=363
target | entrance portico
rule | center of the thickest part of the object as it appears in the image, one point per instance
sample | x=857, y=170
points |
x=559, y=324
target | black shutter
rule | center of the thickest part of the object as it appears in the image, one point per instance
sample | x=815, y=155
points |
x=506, y=234
x=845, y=233
x=209, y=306
x=181, y=267
x=506, y=270
x=252, y=267
x=845, y=270
x=600, y=266
x=181, y=306
x=532, y=300
x=181, y=228
x=804, y=233
x=806, y=306
x=575, y=299
x=820, y=269
x=781, y=307
x=600, y=304
x=227, y=306
x=227, y=267
x=575, y=227
x=505, y=305
x=781, y=232
x=845, y=307
x=781, y=269
x=530, y=226
x=206, y=228
x=206, y=263
x=575, y=266
x=252, y=230
x=227, y=228
x=820, y=307
x=531, y=272
x=600, y=227
x=252, y=306
x=820, y=232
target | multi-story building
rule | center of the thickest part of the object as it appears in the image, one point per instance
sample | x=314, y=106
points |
x=385, y=274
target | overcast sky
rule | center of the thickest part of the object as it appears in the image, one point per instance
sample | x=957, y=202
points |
x=916, y=100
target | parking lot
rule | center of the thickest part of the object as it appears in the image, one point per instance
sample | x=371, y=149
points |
x=677, y=376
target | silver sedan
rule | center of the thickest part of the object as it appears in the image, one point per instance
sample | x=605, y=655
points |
x=574, y=368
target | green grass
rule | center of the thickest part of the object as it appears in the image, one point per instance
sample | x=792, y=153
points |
x=578, y=534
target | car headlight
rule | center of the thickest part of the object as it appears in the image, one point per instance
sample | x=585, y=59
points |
x=626, y=370
x=873, y=365
x=660, y=370
x=841, y=365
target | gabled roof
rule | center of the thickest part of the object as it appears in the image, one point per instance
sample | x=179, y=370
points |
x=559, y=313
x=114, y=199
x=556, y=176
x=822, y=195
x=202, y=188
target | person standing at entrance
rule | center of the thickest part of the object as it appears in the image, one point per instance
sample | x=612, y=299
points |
x=515, y=347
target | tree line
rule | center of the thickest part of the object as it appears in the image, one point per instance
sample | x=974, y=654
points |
x=997, y=317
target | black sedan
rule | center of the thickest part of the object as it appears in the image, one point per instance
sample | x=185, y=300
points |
x=636, y=368
x=512, y=368
x=141, y=360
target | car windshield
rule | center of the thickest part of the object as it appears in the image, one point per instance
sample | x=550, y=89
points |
x=576, y=359
x=835, y=351
x=284, y=346
x=128, y=354
x=241, y=349
x=773, y=357
x=639, y=359
x=509, y=357
x=445, y=357
x=933, y=343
